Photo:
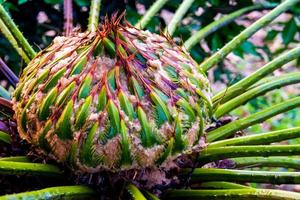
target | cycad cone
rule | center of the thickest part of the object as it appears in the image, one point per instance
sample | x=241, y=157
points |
x=120, y=98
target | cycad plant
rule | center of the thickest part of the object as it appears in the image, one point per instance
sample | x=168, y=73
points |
x=132, y=108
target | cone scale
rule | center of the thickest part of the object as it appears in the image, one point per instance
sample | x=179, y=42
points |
x=118, y=98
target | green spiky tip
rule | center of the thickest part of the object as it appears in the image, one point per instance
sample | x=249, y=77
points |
x=120, y=98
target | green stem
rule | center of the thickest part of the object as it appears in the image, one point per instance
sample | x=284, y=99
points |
x=276, y=82
x=236, y=194
x=262, y=138
x=5, y=94
x=215, y=25
x=16, y=33
x=157, y=5
x=135, y=192
x=245, y=34
x=20, y=168
x=222, y=185
x=94, y=15
x=5, y=31
x=179, y=14
x=232, y=127
x=151, y=196
x=245, y=83
x=4, y=137
x=214, y=154
x=62, y=192
x=292, y=163
x=272, y=177
x=15, y=159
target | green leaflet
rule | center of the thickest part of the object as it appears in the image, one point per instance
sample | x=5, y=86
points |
x=187, y=108
x=79, y=66
x=161, y=95
x=195, y=81
x=23, y=117
x=207, y=99
x=102, y=99
x=111, y=79
x=38, y=80
x=87, y=147
x=53, y=81
x=125, y=157
x=166, y=153
x=44, y=109
x=5, y=137
x=135, y=87
x=147, y=136
x=98, y=49
x=162, y=112
x=109, y=46
x=181, y=93
x=171, y=71
x=140, y=58
x=179, y=144
x=72, y=156
x=42, y=140
x=85, y=88
x=18, y=91
x=64, y=95
x=83, y=112
x=63, y=125
x=126, y=105
x=114, y=117
x=43, y=75
x=201, y=122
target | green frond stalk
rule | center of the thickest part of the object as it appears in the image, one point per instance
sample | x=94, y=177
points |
x=282, y=162
x=244, y=35
x=217, y=24
x=16, y=33
x=236, y=194
x=219, y=153
x=179, y=14
x=255, y=77
x=9, y=36
x=156, y=6
x=135, y=193
x=15, y=159
x=222, y=185
x=151, y=196
x=62, y=192
x=274, y=83
x=4, y=137
x=262, y=138
x=4, y=93
x=230, y=128
x=94, y=15
x=272, y=177
x=21, y=168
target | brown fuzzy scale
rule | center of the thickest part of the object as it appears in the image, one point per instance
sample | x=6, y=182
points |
x=152, y=126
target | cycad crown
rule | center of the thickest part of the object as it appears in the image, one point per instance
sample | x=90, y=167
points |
x=119, y=98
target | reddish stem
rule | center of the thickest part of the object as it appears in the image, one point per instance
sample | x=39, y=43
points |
x=6, y=103
x=68, y=17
